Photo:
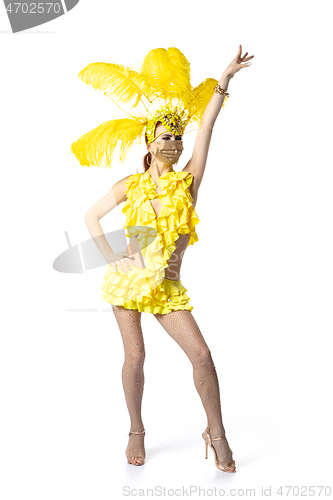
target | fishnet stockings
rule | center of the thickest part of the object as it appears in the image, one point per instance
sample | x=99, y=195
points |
x=183, y=328
x=129, y=322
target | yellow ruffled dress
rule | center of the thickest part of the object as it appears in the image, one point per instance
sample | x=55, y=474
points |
x=146, y=289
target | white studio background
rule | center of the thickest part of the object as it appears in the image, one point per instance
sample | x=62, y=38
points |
x=259, y=278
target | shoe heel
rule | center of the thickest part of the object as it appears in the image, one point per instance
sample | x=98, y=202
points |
x=206, y=449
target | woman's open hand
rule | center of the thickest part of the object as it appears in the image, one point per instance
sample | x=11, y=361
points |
x=238, y=63
x=120, y=262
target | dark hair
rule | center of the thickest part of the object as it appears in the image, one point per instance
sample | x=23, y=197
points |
x=146, y=165
x=147, y=159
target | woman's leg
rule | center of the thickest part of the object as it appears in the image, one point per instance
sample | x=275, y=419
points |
x=183, y=328
x=129, y=322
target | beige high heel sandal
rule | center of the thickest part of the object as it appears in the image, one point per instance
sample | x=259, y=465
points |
x=135, y=456
x=217, y=463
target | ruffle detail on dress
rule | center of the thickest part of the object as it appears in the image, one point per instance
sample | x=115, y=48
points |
x=177, y=215
x=168, y=296
x=156, y=236
x=177, y=210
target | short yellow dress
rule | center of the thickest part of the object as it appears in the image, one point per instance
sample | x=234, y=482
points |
x=145, y=288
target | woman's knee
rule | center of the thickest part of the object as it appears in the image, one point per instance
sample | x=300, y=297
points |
x=203, y=355
x=136, y=357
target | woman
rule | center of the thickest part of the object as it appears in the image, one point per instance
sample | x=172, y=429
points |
x=163, y=201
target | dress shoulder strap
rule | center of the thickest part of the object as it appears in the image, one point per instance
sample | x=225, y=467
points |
x=188, y=177
x=131, y=184
x=185, y=176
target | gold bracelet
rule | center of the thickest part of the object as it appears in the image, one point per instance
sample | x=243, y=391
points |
x=219, y=90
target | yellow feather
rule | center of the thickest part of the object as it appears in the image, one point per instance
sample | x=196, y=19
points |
x=121, y=82
x=166, y=74
x=180, y=85
x=99, y=144
x=155, y=72
x=201, y=96
x=180, y=62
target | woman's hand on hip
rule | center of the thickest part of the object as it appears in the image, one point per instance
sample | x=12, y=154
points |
x=119, y=259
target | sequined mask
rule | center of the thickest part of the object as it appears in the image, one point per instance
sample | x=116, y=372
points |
x=169, y=151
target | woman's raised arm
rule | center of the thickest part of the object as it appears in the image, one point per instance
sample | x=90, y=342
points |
x=197, y=163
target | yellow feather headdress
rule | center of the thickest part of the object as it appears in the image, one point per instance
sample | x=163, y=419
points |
x=162, y=86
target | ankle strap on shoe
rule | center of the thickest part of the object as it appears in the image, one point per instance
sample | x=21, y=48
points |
x=132, y=432
x=213, y=439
